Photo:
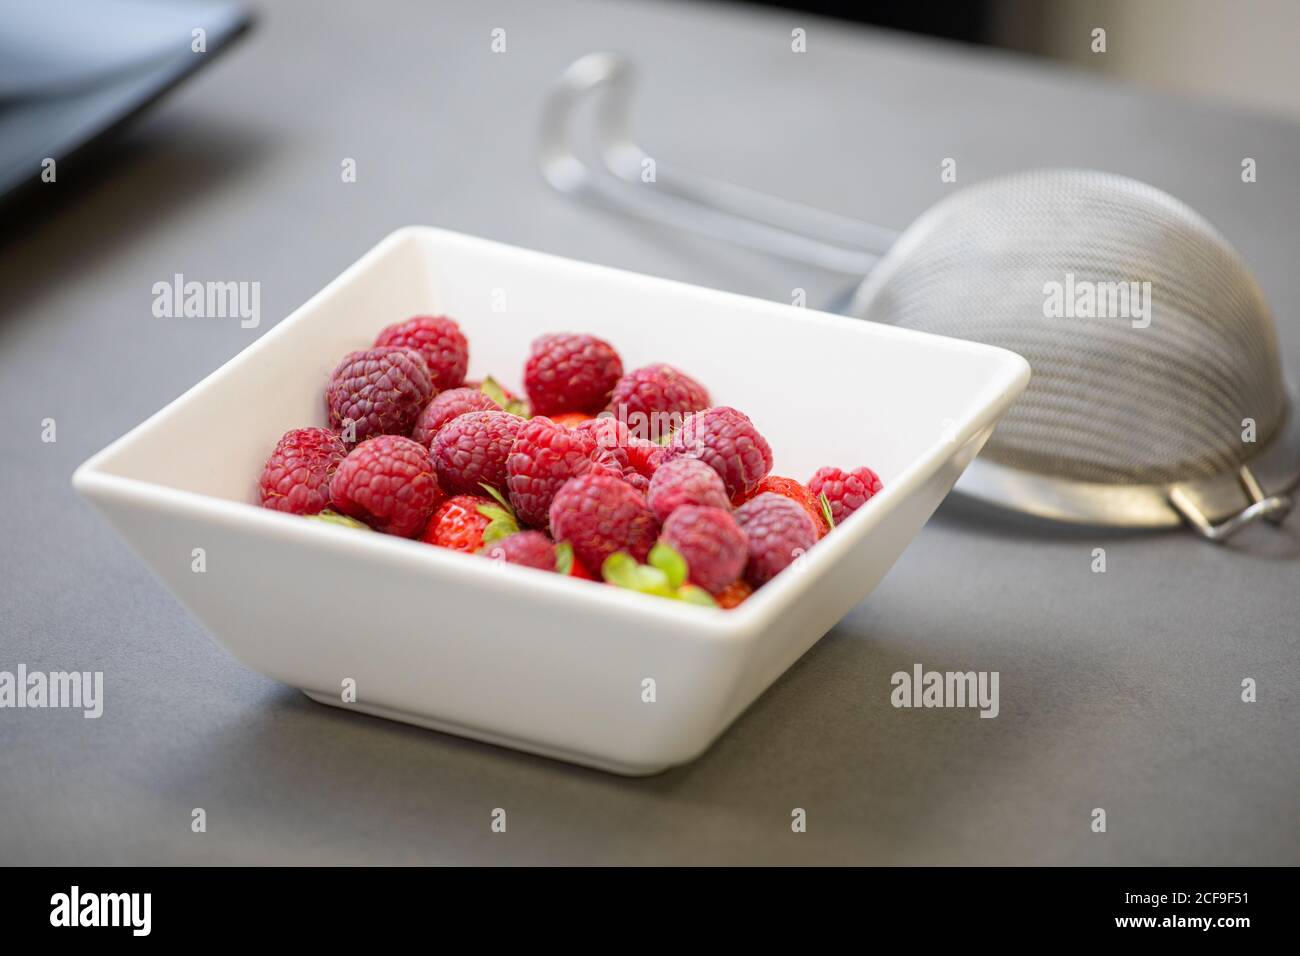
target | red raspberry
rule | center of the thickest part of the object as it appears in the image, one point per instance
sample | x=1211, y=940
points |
x=570, y=373
x=458, y=524
x=471, y=450
x=645, y=456
x=685, y=481
x=653, y=401
x=600, y=514
x=620, y=450
x=529, y=548
x=799, y=494
x=846, y=491
x=638, y=481
x=297, y=476
x=387, y=482
x=727, y=441
x=446, y=406
x=778, y=531
x=544, y=457
x=570, y=419
x=381, y=390
x=439, y=340
x=610, y=438
x=714, y=547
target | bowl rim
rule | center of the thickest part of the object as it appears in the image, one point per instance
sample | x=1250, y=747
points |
x=755, y=614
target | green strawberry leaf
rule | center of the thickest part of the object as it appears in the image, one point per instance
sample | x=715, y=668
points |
x=333, y=517
x=501, y=517
x=693, y=594
x=664, y=576
x=495, y=494
x=668, y=560
x=826, y=510
x=493, y=390
x=564, y=558
x=622, y=570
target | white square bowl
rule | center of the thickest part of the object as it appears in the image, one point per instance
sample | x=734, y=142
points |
x=505, y=654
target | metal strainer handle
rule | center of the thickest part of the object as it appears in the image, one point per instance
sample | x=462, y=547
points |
x=1272, y=508
x=684, y=200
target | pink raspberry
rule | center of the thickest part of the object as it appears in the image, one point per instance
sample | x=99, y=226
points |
x=471, y=451
x=381, y=390
x=714, y=547
x=618, y=447
x=599, y=514
x=610, y=438
x=446, y=406
x=685, y=481
x=529, y=548
x=797, y=493
x=645, y=456
x=568, y=372
x=297, y=476
x=439, y=340
x=653, y=401
x=847, y=491
x=778, y=531
x=727, y=441
x=545, y=455
x=388, y=482
x=637, y=480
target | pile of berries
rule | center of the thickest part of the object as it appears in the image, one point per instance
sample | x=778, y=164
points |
x=631, y=478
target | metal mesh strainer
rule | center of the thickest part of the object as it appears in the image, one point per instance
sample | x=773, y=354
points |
x=1157, y=393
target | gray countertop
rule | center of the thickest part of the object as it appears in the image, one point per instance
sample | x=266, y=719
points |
x=1118, y=690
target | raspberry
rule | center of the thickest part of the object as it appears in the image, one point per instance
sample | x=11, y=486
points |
x=778, y=531
x=570, y=419
x=685, y=481
x=799, y=494
x=600, y=514
x=846, y=491
x=458, y=524
x=381, y=390
x=446, y=406
x=712, y=543
x=652, y=401
x=529, y=548
x=387, y=482
x=471, y=450
x=610, y=438
x=620, y=450
x=734, y=594
x=570, y=373
x=727, y=441
x=645, y=456
x=297, y=476
x=638, y=481
x=544, y=457
x=439, y=340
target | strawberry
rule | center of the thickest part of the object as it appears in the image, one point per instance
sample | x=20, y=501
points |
x=468, y=522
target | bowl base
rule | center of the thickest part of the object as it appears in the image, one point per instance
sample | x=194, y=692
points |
x=487, y=737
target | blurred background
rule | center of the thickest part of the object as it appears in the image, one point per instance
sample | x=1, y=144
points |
x=1242, y=52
